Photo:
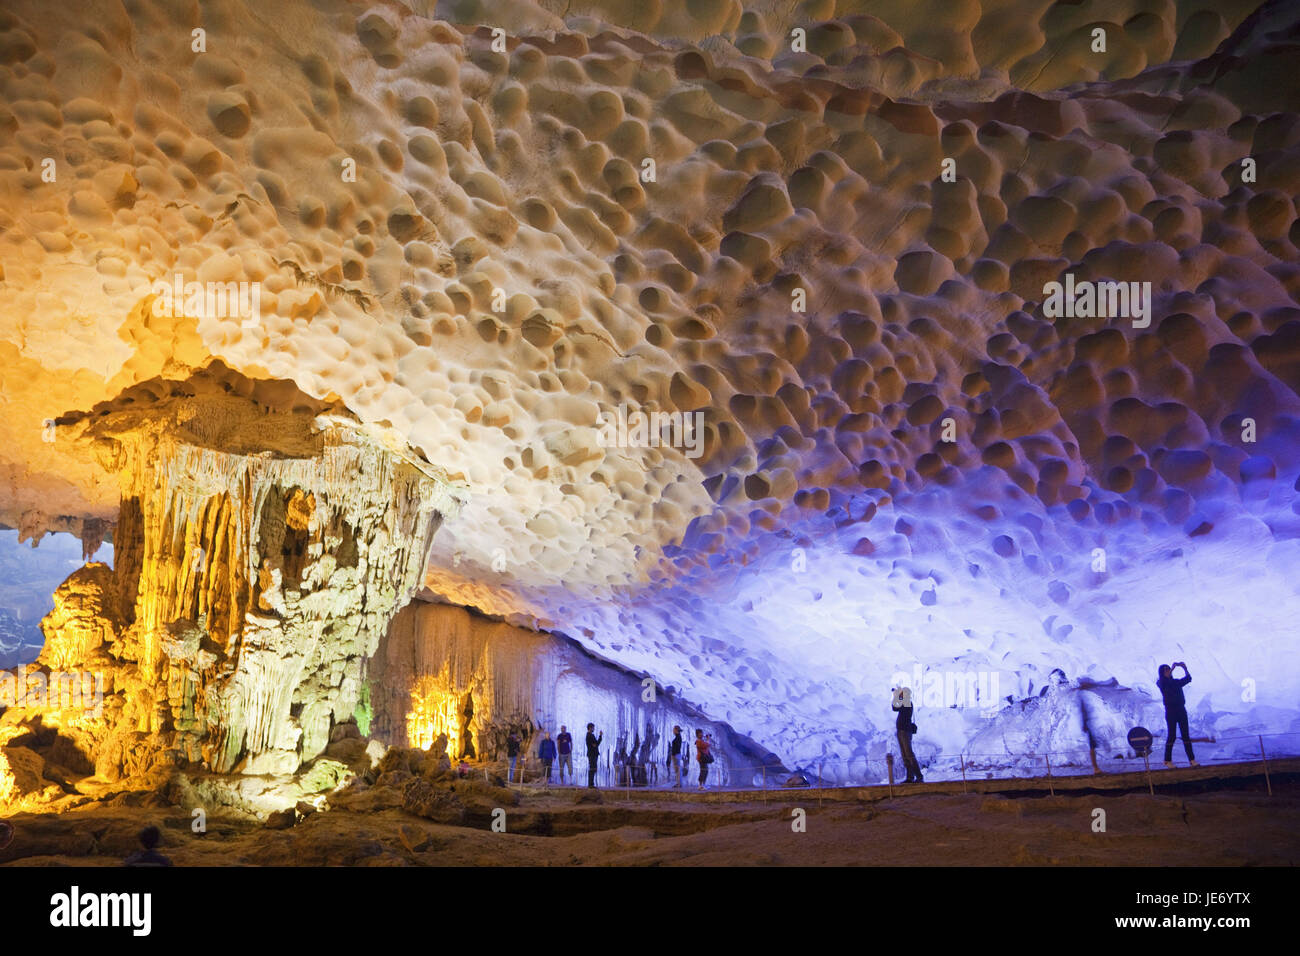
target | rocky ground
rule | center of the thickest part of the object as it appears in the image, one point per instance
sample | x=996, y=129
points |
x=433, y=821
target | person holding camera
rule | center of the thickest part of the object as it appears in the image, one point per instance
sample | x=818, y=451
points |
x=1171, y=688
x=902, y=705
x=703, y=754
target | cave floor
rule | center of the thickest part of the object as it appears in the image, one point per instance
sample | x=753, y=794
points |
x=1203, y=822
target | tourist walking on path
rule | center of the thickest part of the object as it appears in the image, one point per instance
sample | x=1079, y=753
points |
x=675, y=757
x=906, y=730
x=546, y=754
x=593, y=754
x=512, y=751
x=564, y=745
x=703, y=756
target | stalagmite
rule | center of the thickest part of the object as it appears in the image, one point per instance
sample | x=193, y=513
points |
x=260, y=554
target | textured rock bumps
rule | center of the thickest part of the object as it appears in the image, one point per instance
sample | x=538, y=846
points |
x=779, y=168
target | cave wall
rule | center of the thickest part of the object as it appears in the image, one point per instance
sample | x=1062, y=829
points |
x=923, y=463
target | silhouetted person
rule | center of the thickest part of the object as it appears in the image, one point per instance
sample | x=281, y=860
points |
x=546, y=754
x=644, y=760
x=564, y=744
x=1171, y=688
x=635, y=772
x=620, y=761
x=903, y=706
x=675, y=756
x=149, y=855
x=512, y=751
x=703, y=755
x=593, y=754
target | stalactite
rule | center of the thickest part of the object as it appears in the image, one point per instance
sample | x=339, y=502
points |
x=260, y=556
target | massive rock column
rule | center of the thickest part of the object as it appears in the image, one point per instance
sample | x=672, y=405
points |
x=264, y=542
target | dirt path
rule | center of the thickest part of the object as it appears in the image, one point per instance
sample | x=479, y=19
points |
x=1232, y=824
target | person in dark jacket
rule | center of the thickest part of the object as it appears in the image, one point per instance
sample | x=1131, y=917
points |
x=1171, y=688
x=903, y=725
x=675, y=756
x=593, y=754
x=564, y=744
x=512, y=751
x=546, y=754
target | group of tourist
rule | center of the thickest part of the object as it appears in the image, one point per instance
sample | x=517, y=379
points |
x=1171, y=690
x=561, y=749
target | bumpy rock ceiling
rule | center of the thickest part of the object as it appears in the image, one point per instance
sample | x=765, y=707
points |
x=923, y=465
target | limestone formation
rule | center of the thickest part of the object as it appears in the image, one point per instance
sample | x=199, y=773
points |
x=829, y=230
x=263, y=544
